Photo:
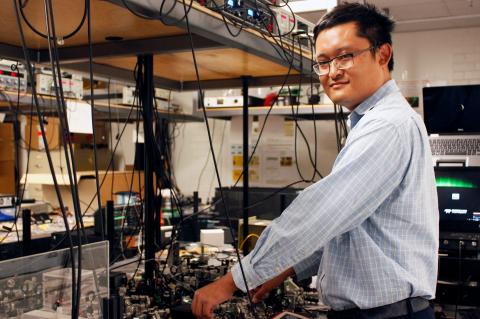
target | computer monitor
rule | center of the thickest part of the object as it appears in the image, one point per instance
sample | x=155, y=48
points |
x=458, y=190
x=452, y=109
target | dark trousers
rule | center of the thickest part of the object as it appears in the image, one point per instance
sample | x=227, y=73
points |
x=427, y=313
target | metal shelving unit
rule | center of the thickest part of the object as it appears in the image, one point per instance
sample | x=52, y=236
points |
x=247, y=60
x=304, y=112
x=9, y=101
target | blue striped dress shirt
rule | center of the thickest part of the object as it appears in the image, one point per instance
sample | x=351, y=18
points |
x=369, y=229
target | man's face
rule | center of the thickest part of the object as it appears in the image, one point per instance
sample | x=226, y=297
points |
x=352, y=86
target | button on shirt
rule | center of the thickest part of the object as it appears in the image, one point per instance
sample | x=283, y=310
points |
x=369, y=229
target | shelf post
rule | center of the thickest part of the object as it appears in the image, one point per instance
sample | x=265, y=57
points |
x=146, y=98
x=245, y=203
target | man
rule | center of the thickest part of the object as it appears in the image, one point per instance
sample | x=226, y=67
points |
x=369, y=230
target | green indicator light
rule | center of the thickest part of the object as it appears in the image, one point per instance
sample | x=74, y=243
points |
x=118, y=217
x=453, y=182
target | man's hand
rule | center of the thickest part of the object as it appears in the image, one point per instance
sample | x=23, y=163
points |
x=209, y=297
x=261, y=291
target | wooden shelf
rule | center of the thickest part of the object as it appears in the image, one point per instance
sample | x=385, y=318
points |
x=323, y=111
x=108, y=19
x=8, y=102
x=220, y=56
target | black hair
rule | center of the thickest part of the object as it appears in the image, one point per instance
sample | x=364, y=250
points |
x=372, y=24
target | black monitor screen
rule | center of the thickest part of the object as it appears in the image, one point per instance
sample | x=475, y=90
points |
x=452, y=109
x=458, y=191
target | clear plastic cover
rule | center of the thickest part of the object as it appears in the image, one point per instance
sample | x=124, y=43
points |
x=40, y=286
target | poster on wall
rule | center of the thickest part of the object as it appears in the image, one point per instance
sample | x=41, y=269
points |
x=273, y=162
x=278, y=161
x=236, y=151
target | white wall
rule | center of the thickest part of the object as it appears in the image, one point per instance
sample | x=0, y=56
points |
x=191, y=150
x=438, y=57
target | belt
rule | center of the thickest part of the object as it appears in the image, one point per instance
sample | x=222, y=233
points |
x=397, y=309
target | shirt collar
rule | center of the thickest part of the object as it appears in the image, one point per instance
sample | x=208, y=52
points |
x=387, y=88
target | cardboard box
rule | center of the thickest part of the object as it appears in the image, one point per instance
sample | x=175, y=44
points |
x=113, y=182
x=101, y=134
x=7, y=177
x=7, y=142
x=85, y=159
x=52, y=132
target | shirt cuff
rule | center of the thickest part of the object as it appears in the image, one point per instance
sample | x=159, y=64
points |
x=253, y=279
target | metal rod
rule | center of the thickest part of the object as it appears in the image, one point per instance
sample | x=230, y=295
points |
x=245, y=161
x=26, y=231
x=110, y=221
x=146, y=97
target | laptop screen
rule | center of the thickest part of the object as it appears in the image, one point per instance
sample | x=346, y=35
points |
x=452, y=109
x=458, y=190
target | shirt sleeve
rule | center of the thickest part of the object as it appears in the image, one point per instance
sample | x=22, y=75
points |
x=309, y=266
x=368, y=169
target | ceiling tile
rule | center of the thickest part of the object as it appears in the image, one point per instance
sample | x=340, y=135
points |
x=419, y=11
x=395, y=3
x=463, y=7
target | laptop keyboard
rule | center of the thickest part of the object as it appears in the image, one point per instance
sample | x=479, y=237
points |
x=459, y=146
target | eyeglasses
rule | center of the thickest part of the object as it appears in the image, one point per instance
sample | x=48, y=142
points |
x=341, y=62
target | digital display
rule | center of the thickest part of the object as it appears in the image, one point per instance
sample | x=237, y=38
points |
x=250, y=12
x=231, y=3
x=458, y=190
x=452, y=109
x=11, y=73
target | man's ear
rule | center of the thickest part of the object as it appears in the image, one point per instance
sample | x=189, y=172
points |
x=385, y=53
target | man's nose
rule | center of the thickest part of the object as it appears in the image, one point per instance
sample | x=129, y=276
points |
x=334, y=71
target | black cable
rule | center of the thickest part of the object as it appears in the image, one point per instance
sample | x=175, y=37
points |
x=69, y=35
x=220, y=157
x=161, y=14
x=263, y=126
x=139, y=219
x=92, y=106
x=17, y=137
x=227, y=19
x=214, y=160
x=274, y=17
x=88, y=205
x=298, y=128
x=56, y=72
x=311, y=90
x=337, y=134
x=206, y=161
x=460, y=281
x=42, y=128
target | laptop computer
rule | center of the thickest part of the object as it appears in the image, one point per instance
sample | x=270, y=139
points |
x=458, y=200
x=452, y=118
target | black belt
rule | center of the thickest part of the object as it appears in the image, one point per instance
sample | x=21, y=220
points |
x=397, y=309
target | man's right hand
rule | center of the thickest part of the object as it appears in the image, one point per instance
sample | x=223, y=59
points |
x=261, y=291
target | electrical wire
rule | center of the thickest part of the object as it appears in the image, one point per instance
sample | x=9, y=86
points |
x=220, y=151
x=92, y=106
x=42, y=128
x=67, y=36
x=161, y=14
x=71, y=172
x=110, y=163
x=206, y=160
x=247, y=238
x=213, y=157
